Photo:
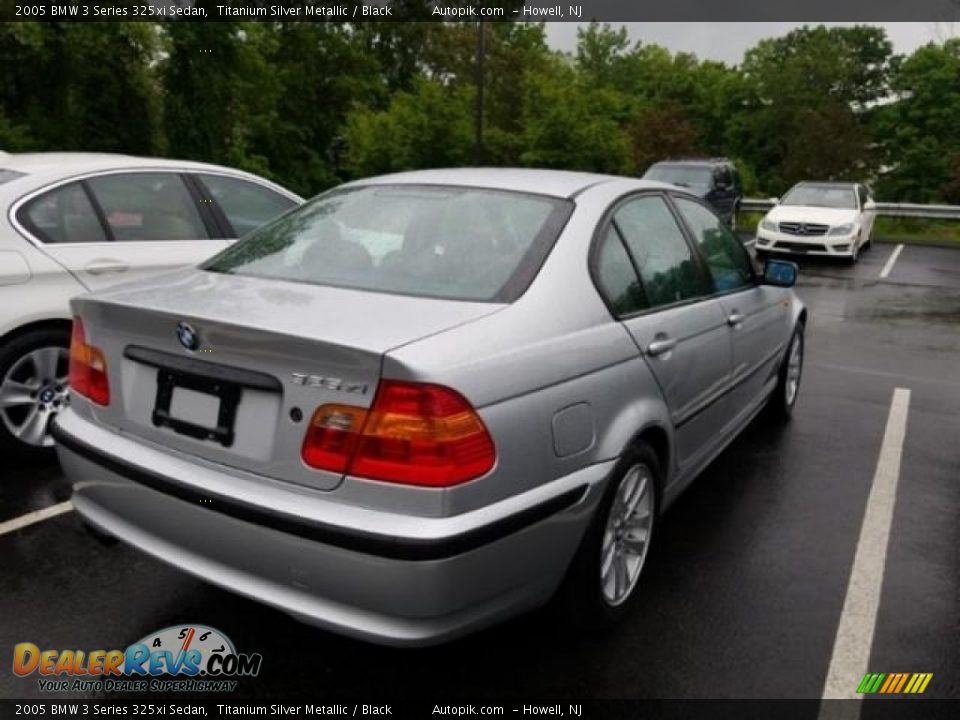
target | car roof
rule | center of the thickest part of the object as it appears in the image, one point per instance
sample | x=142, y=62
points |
x=826, y=184
x=556, y=183
x=71, y=162
x=697, y=162
x=40, y=169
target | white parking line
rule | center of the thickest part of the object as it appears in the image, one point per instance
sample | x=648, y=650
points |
x=851, y=649
x=36, y=516
x=890, y=261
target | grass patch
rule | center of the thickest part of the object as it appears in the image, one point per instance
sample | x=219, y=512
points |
x=916, y=231
x=919, y=231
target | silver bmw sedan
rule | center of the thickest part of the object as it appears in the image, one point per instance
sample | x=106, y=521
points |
x=422, y=403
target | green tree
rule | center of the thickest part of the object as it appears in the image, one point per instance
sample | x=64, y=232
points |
x=920, y=130
x=571, y=124
x=80, y=86
x=806, y=115
x=428, y=126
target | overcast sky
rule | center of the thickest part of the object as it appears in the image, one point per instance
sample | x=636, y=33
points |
x=728, y=41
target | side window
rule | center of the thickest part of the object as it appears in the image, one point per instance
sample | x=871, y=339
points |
x=246, y=204
x=667, y=267
x=617, y=279
x=726, y=258
x=63, y=215
x=148, y=206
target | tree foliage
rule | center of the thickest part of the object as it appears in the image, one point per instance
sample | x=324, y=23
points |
x=312, y=104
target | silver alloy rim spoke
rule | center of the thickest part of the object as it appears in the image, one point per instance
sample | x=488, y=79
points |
x=793, y=369
x=32, y=392
x=46, y=360
x=15, y=394
x=625, y=538
x=33, y=428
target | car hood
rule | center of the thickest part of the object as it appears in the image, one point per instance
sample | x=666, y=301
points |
x=807, y=214
x=369, y=321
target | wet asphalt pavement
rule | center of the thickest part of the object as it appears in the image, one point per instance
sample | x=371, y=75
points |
x=745, y=586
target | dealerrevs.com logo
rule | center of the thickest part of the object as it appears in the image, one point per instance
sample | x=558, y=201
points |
x=180, y=658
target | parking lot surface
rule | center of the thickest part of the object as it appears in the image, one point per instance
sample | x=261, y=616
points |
x=747, y=583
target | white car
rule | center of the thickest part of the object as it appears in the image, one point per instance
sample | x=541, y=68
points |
x=77, y=222
x=830, y=219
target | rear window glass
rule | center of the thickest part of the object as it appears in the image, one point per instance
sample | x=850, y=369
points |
x=8, y=175
x=681, y=175
x=446, y=242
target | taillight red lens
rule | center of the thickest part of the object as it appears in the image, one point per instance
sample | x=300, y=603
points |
x=88, y=367
x=415, y=433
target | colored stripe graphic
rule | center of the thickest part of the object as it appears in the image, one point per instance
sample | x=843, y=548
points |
x=894, y=683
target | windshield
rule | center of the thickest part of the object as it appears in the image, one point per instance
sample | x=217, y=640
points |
x=682, y=175
x=8, y=175
x=821, y=196
x=446, y=242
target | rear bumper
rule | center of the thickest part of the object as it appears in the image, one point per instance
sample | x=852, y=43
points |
x=380, y=577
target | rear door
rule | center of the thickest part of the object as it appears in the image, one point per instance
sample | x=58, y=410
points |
x=115, y=227
x=655, y=285
x=754, y=313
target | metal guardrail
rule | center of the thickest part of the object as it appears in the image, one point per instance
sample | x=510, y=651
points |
x=930, y=212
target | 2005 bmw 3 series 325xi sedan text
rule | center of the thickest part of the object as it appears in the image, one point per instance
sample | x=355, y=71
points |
x=425, y=402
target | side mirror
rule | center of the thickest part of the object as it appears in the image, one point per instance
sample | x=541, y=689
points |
x=780, y=273
x=774, y=200
x=869, y=204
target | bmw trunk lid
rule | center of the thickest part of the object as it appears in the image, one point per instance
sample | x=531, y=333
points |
x=230, y=369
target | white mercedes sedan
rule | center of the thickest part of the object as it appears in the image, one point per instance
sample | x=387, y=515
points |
x=831, y=219
x=77, y=222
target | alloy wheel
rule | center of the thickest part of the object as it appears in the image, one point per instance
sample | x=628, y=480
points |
x=794, y=369
x=626, y=536
x=32, y=392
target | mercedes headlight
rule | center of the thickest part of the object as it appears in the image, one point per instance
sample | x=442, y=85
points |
x=768, y=225
x=841, y=229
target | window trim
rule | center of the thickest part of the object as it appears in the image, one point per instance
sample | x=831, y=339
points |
x=599, y=234
x=13, y=214
x=23, y=216
x=691, y=237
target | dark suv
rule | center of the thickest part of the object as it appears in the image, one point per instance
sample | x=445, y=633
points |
x=714, y=179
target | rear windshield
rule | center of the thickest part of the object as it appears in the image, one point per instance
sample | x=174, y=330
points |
x=821, y=196
x=8, y=175
x=445, y=242
x=682, y=175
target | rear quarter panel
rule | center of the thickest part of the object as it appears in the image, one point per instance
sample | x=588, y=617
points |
x=554, y=348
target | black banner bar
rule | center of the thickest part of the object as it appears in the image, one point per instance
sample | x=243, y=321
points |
x=367, y=709
x=489, y=11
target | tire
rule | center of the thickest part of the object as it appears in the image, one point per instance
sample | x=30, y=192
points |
x=784, y=397
x=589, y=598
x=33, y=389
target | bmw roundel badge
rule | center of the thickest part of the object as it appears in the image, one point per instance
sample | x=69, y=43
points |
x=187, y=336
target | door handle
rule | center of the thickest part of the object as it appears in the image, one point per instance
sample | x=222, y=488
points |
x=734, y=319
x=659, y=347
x=103, y=267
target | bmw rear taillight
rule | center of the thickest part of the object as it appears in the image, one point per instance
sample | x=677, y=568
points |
x=88, y=367
x=414, y=434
